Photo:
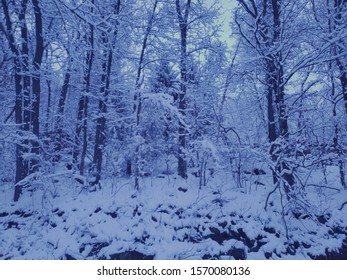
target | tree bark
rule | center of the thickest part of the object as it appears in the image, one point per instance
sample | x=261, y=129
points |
x=36, y=83
x=100, y=133
x=182, y=105
x=137, y=99
x=27, y=86
x=269, y=27
x=59, y=118
x=339, y=7
x=20, y=86
x=82, y=115
x=22, y=106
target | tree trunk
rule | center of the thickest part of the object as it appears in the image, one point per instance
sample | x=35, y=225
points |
x=277, y=115
x=36, y=83
x=100, y=133
x=82, y=115
x=182, y=105
x=21, y=167
x=22, y=87
x=22, y=106
x=27, y=86
x=137, y=99
x=339, y=7
x=59, y=135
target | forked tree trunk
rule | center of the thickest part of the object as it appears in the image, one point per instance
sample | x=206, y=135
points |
x=269, y=28
x=27, y=86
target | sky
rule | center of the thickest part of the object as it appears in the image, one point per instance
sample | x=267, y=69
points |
x=227, y=8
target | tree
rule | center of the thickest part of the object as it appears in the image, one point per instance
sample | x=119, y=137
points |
x=108, y=41
x=337, y=27
x=330, y=22
x=27, y=86
x=266, y=28
x=183, y=15
x=138, y=98
x=80, y=141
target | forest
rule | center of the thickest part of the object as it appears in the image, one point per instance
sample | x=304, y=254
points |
x=173, y=129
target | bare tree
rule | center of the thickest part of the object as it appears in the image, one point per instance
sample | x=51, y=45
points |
x=182, y=14
x=100, y=133
x=28, y=88
x=138, y=98
x=267, y=41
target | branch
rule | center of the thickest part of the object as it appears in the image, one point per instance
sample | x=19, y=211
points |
x=343, y=204
x=226, y=130
x=9, y=33
x=187, y=9
x=9, y=116
x=178, y=10
x=241, y=32
x=268, y=197
x=248, y=10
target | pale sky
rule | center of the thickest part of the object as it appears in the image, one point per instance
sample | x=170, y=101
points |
x=227, y=7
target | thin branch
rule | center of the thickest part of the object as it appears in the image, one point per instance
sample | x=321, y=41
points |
x=268, y=197
x=248, y=10
x=11, y=113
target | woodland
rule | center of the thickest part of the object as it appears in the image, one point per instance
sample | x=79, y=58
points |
x=173, y=129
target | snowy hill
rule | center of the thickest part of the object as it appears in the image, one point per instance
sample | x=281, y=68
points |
x=169, y=218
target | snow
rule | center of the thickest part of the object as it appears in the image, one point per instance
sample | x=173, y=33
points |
x=163, y=222
x=124, y=91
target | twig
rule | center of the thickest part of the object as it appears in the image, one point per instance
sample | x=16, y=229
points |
x=11, y=113
x=283, y=216
x=268, y=196
x=343, y=204
x=322, y=186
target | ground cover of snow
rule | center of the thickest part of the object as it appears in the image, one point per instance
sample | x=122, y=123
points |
x=172, y=218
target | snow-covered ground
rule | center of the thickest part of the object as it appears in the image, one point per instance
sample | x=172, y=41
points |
x=171, y=218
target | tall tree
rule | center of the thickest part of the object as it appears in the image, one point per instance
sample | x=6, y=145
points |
x=27, y=86
x=339, y=25
x=330, y=22
x=36, y=78
x=80, y=141
x=268, y=41
x=183, y=10
x=108, y=39
x=138, y=98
